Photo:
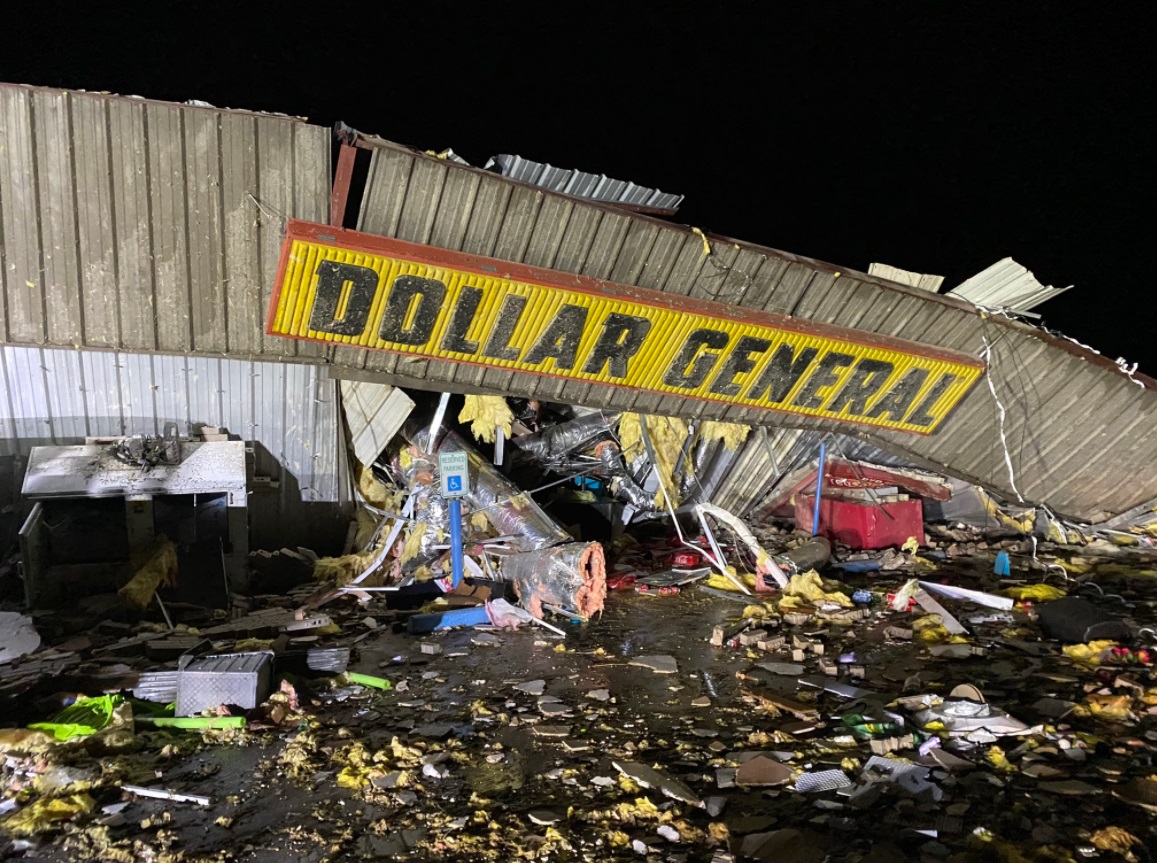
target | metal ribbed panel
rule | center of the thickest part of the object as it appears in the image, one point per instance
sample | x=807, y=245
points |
x=752, y=469
x=1005, y=285
x=581, y=184
x=101, y=403
x=374, y=413
x=288, y=411
x=1057, y=401
x=148, y=226
x=19, y=208
x=906, y=277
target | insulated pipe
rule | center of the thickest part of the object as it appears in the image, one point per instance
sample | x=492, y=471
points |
x=418, y=474
x=510, y=511
x=819, y=488
x=573, y=576
x=556, y=441
x=552, y=445
x=611, y=457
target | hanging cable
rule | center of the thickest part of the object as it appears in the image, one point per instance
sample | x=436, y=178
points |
x=987, y=355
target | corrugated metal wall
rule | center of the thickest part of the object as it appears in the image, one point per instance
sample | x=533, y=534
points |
x=287, y=411
x=148, y=226
x=1077, y=428
x=739, y=480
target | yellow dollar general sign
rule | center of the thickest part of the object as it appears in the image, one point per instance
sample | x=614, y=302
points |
x=347, y=288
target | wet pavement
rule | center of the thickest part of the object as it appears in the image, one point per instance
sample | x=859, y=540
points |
x=521, y=745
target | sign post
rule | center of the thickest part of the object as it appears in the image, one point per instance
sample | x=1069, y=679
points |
x=454, y=484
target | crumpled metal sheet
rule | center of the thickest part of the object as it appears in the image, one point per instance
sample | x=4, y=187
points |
x=822, y=780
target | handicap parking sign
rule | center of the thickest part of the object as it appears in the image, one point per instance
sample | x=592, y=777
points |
x=453, y=475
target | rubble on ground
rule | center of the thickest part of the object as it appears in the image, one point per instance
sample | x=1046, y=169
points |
x=696, y=687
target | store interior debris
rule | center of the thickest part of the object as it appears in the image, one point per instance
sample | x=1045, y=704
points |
x=547, y=629
x=613, y=669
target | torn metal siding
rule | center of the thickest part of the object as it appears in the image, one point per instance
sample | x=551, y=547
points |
x=743, y=478
x=1057, y=398
x=581, y=184
x=1006, y=285
x=923, y=281
x=147, y=226
x=374, y=413
x=286, y=411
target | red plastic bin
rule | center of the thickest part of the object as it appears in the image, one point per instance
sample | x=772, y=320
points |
x=860, y=524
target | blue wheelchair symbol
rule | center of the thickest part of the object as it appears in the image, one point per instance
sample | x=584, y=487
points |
x=453, y=483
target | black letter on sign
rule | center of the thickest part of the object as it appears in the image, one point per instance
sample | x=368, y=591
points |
x=464, y=311
x=621, y=338
x=823, y=376
x=863, y=383
x=678, y=375
x=429, y=294
x=339, y=309
x=560, y=339
x=738, y=362
x=498, y=345
x=919, y=417
x=896, y=400
x=782, y=373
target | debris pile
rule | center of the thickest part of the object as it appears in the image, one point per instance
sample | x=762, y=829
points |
x=615, y=668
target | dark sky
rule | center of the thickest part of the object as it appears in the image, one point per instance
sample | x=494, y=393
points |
x=934, y=137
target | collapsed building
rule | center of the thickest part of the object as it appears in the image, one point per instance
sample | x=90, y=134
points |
x=238, y=345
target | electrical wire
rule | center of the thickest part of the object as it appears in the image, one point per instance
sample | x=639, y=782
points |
x=987, y=354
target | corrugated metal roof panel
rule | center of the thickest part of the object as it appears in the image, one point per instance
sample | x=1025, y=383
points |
x=906, y=277
x=1005, y=285
x=374, y=413
x=580, y=184
x=490, y=215
x=288, y=411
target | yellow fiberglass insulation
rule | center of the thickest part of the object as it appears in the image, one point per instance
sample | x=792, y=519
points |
x=486, y=414
x=342, y=570
x=808, y=585
x=413, y=541
x=159, y=570
x=44, y=814
x=1088, y=654
x=375, y=492
x=732, y=434
x=667, y=436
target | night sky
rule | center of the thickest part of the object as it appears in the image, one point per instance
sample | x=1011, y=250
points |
x=931, y=137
